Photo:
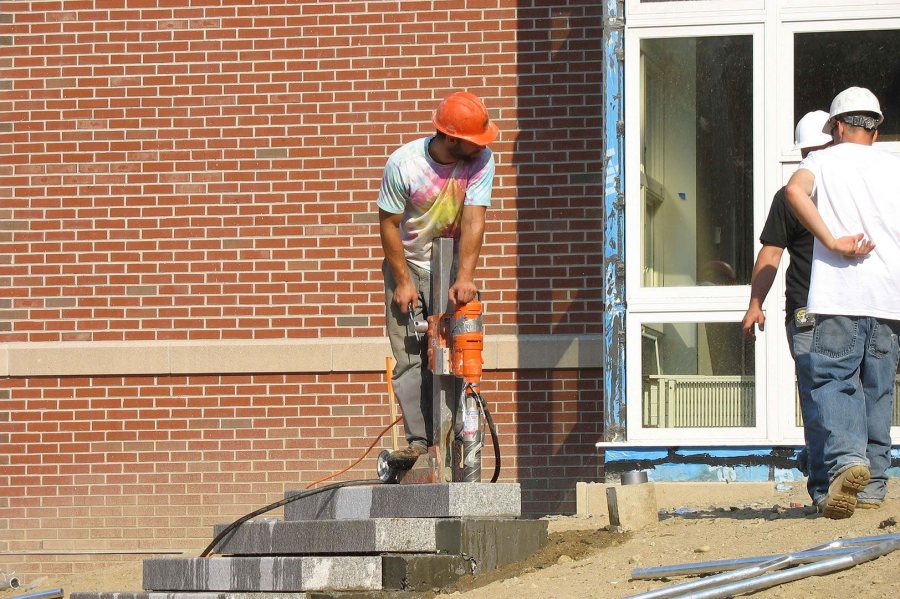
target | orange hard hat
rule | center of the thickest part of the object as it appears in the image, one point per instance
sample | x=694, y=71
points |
x=463, y=115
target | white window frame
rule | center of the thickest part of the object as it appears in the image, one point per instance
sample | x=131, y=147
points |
x=772, y=23
x=683, y=12
x=693, y=436
x=662, y=299
x=684, y=304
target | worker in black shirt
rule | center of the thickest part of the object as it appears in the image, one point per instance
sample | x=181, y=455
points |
x=783, y=231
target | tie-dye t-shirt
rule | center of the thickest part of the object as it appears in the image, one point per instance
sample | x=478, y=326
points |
x=431, y=195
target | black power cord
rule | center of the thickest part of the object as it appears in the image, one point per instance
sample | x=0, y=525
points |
x=278, y=504
x=470, y=388
x=482, y=404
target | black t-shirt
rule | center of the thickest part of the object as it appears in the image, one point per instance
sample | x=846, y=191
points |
x=782, y=229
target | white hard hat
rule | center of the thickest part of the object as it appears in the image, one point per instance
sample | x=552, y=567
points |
x=853, y=100
x=810, y=130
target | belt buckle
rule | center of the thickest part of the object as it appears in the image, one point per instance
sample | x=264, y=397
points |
x=804, y=319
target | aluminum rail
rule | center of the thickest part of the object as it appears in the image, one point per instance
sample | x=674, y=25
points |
x=843, y=562
x=779, y=563
x=51, y=594
x=735, y=564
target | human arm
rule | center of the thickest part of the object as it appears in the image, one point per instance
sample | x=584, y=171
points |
x=470, y=240
x=799, y=196
x=760, y=283
x=405, y=292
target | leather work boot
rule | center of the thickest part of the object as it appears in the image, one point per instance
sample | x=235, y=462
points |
x=403, y=459
x=868, y=505
x=841, y=499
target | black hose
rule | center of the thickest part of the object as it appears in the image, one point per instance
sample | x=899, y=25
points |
x=356, y=483
x=278, y=504
x=490, y=421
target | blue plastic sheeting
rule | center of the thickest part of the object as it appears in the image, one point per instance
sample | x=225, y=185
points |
x=669, y=464
x=617, y=455
x=706, y=473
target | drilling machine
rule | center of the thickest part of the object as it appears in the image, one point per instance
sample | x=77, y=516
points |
x=455, y=337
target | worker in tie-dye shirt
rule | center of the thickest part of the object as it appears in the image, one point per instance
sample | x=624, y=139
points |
x=438, y=186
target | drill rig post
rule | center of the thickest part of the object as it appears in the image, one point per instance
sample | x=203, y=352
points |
x=444, y=398
x=455, y=343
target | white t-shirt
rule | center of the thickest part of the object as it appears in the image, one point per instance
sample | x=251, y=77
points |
x=431, y=195
x=857, y=190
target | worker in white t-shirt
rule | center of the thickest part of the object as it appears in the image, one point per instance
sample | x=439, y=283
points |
x=847, y=196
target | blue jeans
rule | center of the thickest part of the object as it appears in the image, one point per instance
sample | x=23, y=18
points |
x=800, y=342
x=850, y=373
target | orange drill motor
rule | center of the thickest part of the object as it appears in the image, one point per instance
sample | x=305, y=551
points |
x=467, y=343
x=455, y=344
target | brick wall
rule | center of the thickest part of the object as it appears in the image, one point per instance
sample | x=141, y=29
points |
x=207, y=171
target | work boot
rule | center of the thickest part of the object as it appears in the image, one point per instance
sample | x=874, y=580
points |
x=403, y=459
x=841, y=499
x=868, y=505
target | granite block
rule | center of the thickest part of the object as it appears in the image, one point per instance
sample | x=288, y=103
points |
x=435, y=500
x=275, y=574
x=377, y=535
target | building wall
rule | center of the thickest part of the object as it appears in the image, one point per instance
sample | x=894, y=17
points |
x=191, y=314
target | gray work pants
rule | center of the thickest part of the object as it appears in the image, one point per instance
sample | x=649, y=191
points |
x=412, y=377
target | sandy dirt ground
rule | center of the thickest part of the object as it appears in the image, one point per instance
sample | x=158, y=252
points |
x=584, y=559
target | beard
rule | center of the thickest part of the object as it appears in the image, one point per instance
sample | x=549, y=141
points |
x=458, y=153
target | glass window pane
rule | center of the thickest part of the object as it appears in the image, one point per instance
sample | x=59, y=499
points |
x=825, y=63
x=697, y=375
x=697, y=161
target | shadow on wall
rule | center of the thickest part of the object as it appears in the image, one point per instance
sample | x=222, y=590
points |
x=559, y=207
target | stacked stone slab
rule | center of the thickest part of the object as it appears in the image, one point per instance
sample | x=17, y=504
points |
x=355, y=542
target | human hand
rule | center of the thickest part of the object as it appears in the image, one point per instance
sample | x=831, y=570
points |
x=405, y=295
x=852, y=246
x=754, y=316
x=462, y=292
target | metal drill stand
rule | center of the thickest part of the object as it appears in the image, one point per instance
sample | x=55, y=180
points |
x=455, y=454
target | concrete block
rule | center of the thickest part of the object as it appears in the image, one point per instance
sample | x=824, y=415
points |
x=309, y=537
x=423, y=572
x=591, y=502
x=632, y=506
x=492, y=543
x=202, y=595
x=436, y=500
x=278, y=574
x=211, y=595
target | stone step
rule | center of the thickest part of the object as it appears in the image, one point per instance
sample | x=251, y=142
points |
x=229, y=595
x=312, y=537
x=272, y=574
x=197, y=595
x=434, y=500
x=479, y=538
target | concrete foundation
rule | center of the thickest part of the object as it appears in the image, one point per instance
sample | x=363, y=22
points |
x=423, y=572
x=492, y=543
